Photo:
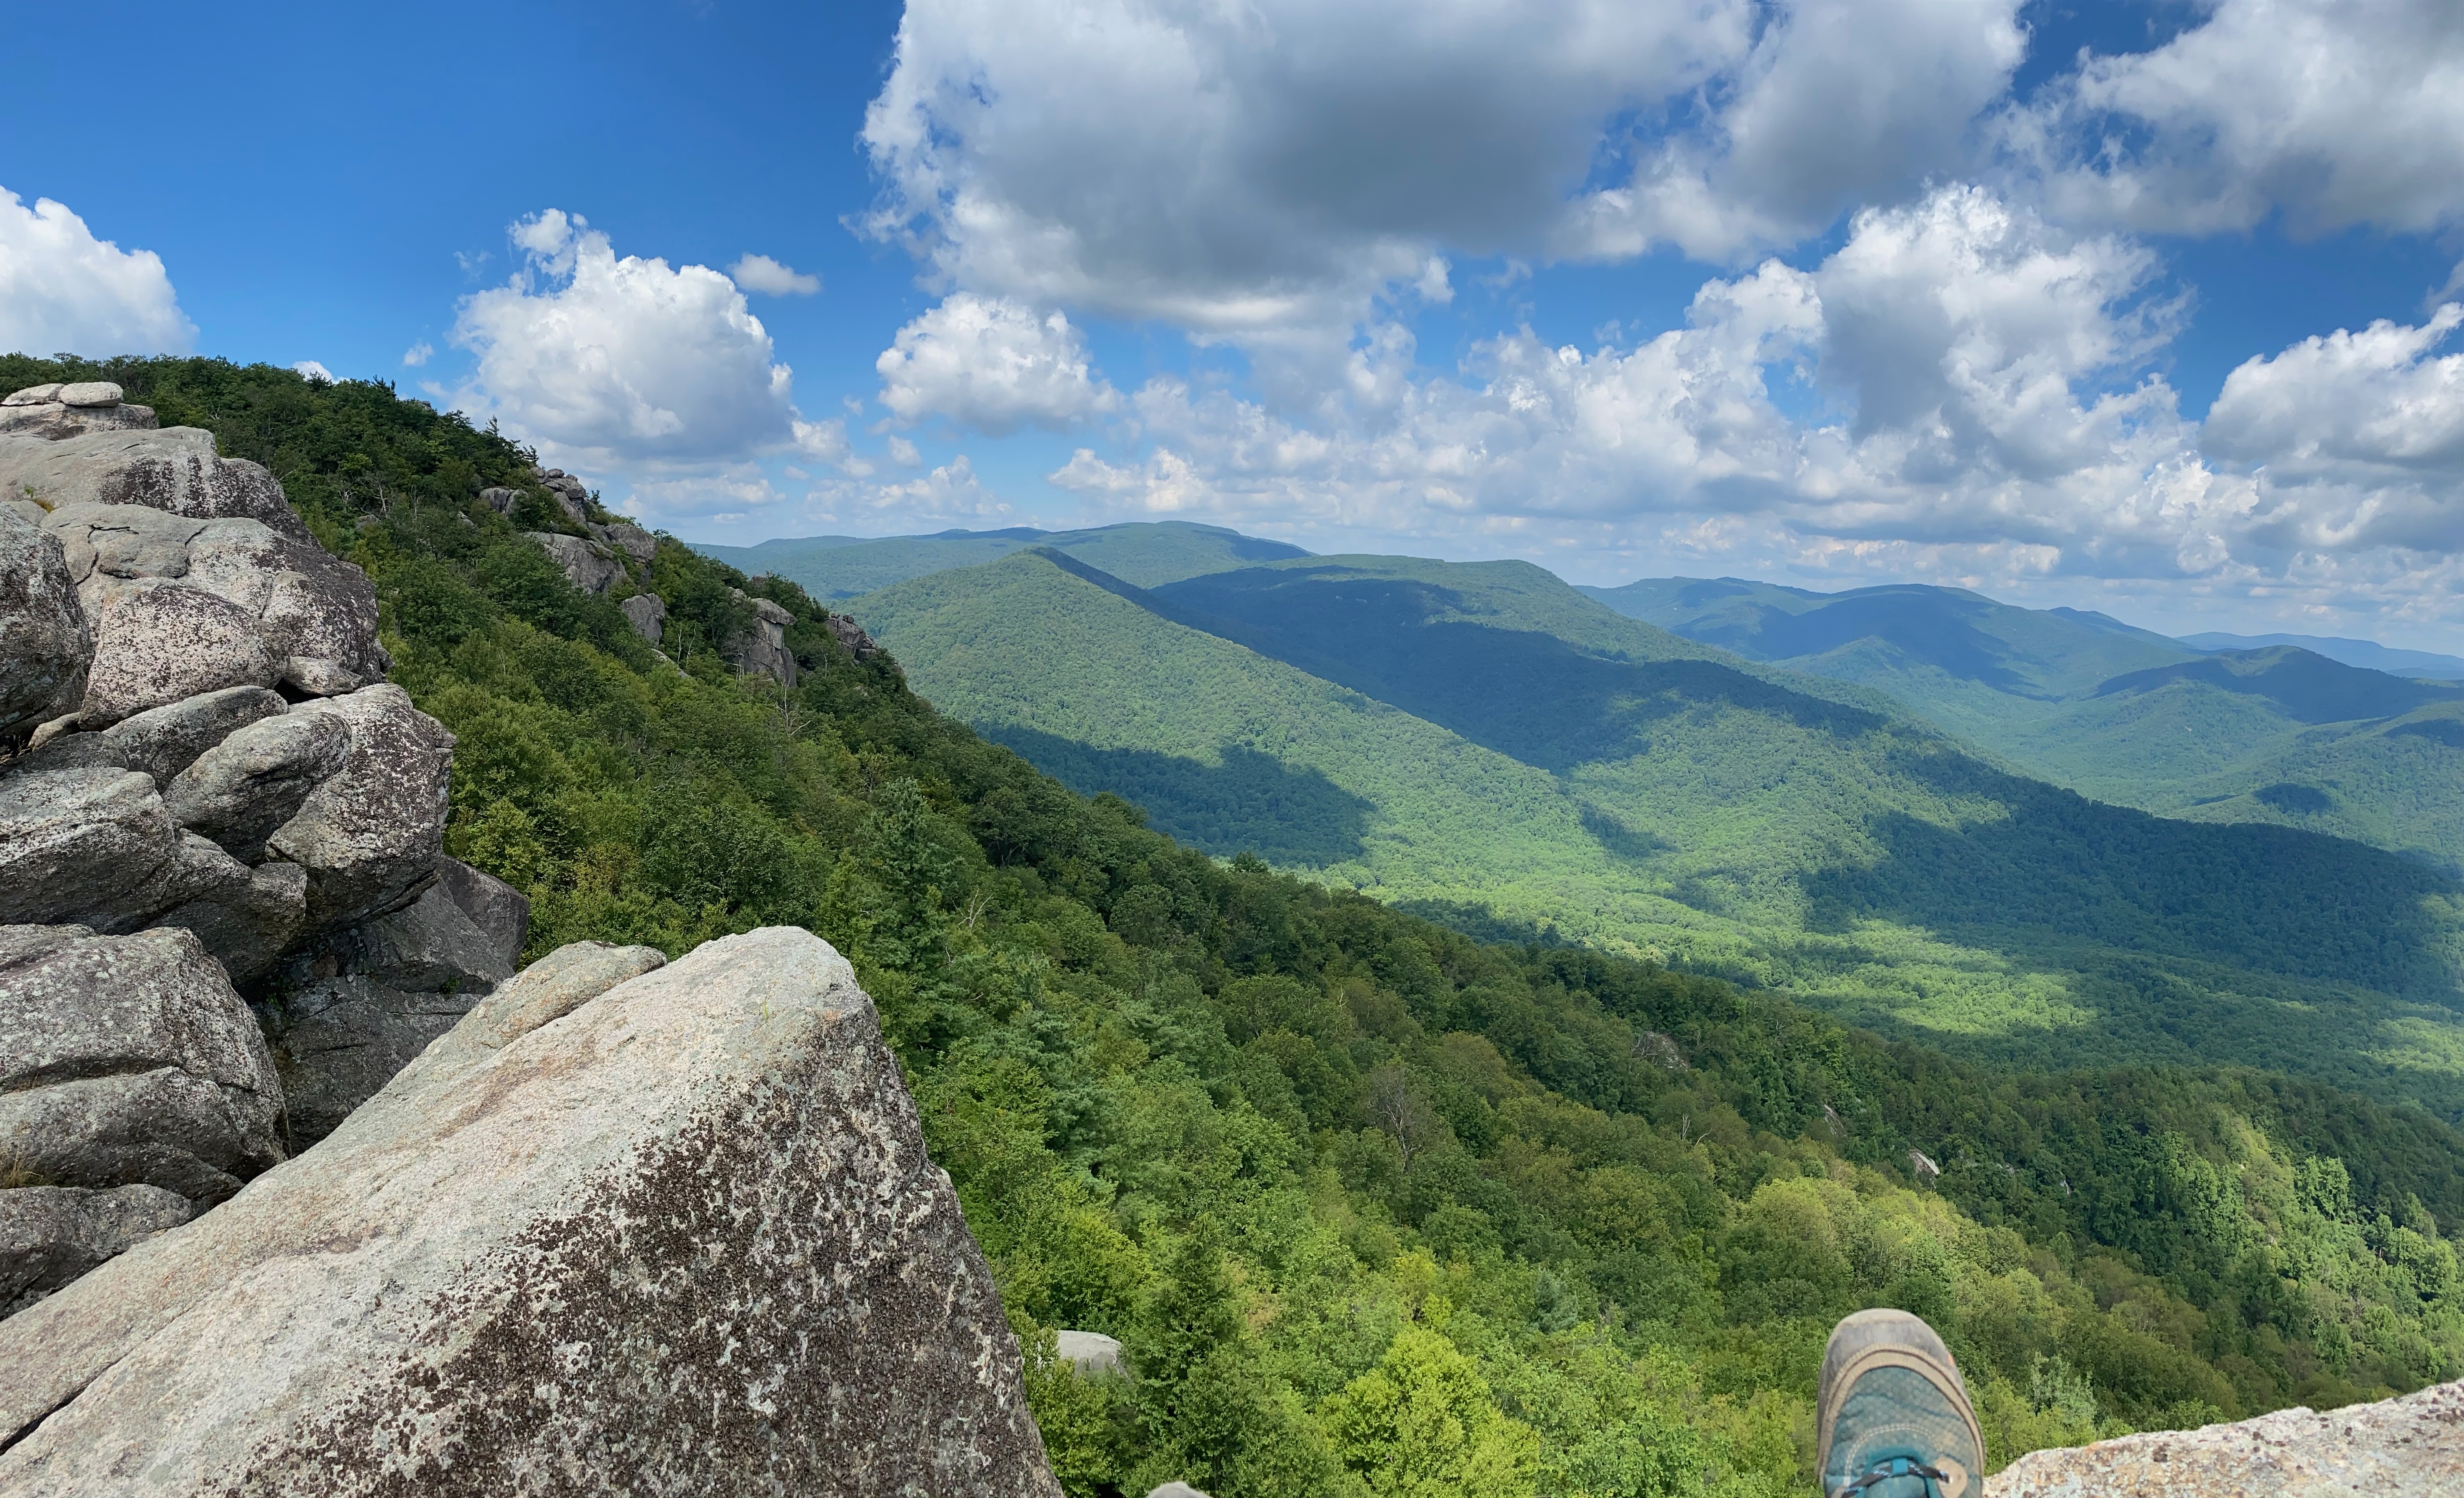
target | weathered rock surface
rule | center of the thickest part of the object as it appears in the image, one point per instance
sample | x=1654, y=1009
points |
x=162, y=741
x=55, y=411
x=128, y=1060
x=629, y=539
x=35, y=395
x=310, y=611
x=847, y=632
x=341, y=1039
x=586, y=564
x=247, y=926
x=95, y=846
x=174, y=470
x=49, y=1235
x=500, y=499
x=2412, y=1447
x=45, y=641
x=682, y=1239
x=648, y=614
x=1090, y=1353
x=157, y=641
x=370, y=833
x=763, y=648
x=501, y=912
x=237, y=792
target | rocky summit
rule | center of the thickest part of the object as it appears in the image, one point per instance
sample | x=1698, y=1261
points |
x=627, y=1227
x=306, y=1185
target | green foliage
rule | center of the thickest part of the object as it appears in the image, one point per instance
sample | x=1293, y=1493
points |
x=1377, y=1208
x=1484, y=740
x=2119, y=714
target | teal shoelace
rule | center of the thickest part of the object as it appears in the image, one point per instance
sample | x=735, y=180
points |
x=1896, y=1466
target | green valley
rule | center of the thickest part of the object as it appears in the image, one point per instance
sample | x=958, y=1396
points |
x=2275, y=733
x=1482, y=741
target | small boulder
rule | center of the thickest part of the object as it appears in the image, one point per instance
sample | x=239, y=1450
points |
x=45, y=641
x=165, y=740
x=501, y=912
x=427, y=946
x=586, y=564
x=35, y=395
x=159, y=642
x=629, y=539
x=368, y=833
x=49, y=1235
x=96, y=845
x=130, y=1059
x=500, y=499
x=240, y=790
x=648, y=614
x=1092, y=1353
x=89, y=392
x=248, y=925
x=682, y=1240
x=847, y=632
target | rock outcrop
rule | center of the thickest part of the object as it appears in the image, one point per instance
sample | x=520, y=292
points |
x=130, y=1061
x=588, y=565
x=203, y=785
x=648, y=614
x=676, y=1237
x=763, y=647
x=71, y=410
x=2412, y=1447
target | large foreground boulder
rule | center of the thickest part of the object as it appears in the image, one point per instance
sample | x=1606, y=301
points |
x=2412, y=1447
x=679, y=1238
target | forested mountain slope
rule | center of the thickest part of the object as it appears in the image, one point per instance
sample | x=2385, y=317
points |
x=1482, y=740
x=2352, y=653
x=2277, y=734
x=1355, y=1188
x=1146, y=553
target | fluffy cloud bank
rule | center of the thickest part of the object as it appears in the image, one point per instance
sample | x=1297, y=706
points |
x=63, y=289
x=1987, y=418
x=632, y=365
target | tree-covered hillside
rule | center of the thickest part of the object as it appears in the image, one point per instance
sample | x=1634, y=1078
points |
x=1481, y=738
x=1377, y=1209
x=2275, y=734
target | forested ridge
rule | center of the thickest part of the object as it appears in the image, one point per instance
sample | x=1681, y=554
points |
x=1377, y=1208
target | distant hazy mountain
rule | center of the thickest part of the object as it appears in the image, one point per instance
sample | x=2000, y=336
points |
x=2352, y=653
x=1482, y=740
x=2280, y=733
x=1145, y=553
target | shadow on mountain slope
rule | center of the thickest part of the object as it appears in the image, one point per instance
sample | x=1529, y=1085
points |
x=1523, y=694
x=1251, y=802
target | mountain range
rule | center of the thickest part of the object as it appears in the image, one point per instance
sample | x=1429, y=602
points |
x=2279, y=733
x=1146, y=554
x=1486, y=743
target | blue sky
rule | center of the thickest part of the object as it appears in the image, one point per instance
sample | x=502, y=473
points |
x=2011, y=296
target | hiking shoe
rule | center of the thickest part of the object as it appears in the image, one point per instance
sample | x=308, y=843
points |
x=1895, y=1421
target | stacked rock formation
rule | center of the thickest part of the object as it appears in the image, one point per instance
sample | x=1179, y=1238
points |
x=206, y=789
x=628, y=1228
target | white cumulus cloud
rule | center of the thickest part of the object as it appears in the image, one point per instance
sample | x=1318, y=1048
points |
x=759, y=272
x=314, y=370
x=993, y=364
x=609, y=360
x=2357, y=438
x=64, y=291
x=2334, y=112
